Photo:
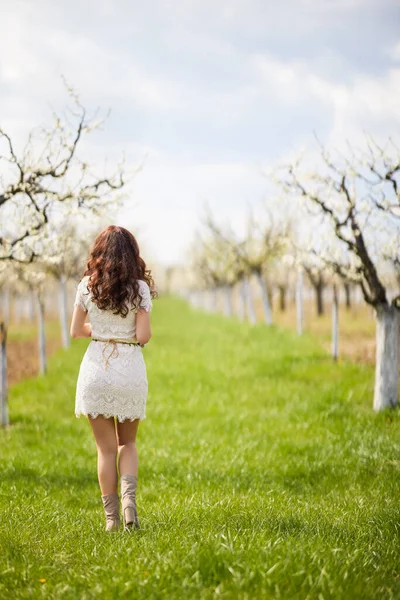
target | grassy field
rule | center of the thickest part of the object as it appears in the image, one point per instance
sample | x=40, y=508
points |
x=264, y=473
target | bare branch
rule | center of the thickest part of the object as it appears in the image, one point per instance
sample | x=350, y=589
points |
x=57, y=176
x=347, y=227
x=14, y=158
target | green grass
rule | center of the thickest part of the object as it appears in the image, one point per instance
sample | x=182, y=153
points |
x=264, y=473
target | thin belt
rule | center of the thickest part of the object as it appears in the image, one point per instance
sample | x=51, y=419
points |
x=114, y=350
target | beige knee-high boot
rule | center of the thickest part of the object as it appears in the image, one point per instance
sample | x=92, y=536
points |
x=111, y=509
x=128, y=494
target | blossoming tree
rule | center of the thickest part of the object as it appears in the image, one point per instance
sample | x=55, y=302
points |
x=47, y=174
x=358, y=197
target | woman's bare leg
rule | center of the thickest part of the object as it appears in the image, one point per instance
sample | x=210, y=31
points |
x=128, y=456
x=106, y=442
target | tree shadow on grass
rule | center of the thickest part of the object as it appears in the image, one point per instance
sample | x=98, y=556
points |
x=299, y=481
x=293, y=526
x=31, y=479
x=265, y=523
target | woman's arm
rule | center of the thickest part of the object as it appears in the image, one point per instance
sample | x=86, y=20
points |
x=143, y=329
x=80, y=329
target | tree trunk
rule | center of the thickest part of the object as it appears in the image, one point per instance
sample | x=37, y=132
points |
x=202, y=300
x=214, y=300
x=64, y=312
x=242, y=300
x=358, y=297
x=335, y=323
x=208, y=300
x=228, y=309
x=6, y=306
x=299, y=303
x=250, y=302
x=31, y=301
x=387, y=358
x=3, y=375
x=282, y=298
x=206, y=303
x=17, y=310
x=197, y=299
x=347, y=293
x=42, y=335
x=319, y=290
x=265, y=299
x=25, y=307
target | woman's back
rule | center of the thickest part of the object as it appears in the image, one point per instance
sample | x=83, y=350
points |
x=105, y=324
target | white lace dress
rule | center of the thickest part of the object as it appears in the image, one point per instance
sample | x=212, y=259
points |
x=112, y=378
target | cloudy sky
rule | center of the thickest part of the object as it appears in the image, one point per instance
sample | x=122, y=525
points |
x=208, y=93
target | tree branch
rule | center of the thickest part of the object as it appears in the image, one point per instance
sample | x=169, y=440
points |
x=33, y=191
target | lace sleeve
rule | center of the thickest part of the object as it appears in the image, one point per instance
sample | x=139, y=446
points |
x=145, y=301
x=81, y=297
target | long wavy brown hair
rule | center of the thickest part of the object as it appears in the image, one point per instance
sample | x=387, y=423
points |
x=114, y=268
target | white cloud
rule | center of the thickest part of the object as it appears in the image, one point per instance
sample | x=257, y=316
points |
x=366, y=104
x=394, y=52
x=259, y=16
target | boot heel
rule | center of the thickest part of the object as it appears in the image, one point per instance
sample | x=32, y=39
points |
x=131, y=520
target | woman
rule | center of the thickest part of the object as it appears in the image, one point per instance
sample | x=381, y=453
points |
x=115, y=293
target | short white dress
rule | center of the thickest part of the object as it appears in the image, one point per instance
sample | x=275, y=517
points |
x=112, y=377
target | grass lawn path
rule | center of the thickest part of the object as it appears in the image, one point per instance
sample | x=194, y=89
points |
x=264, y=473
